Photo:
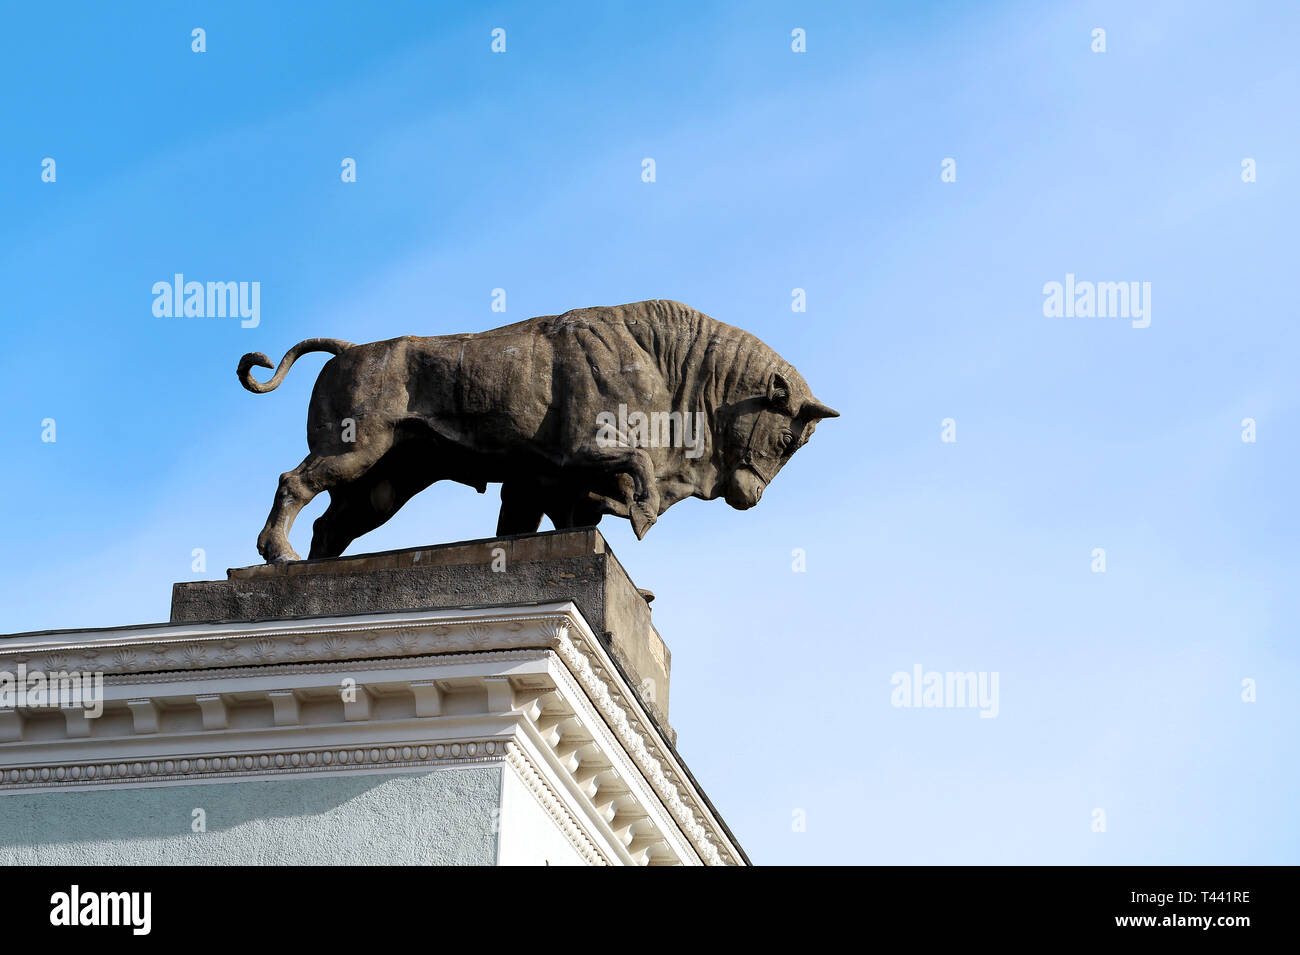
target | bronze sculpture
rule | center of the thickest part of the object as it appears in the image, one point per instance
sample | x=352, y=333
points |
x=620, y=410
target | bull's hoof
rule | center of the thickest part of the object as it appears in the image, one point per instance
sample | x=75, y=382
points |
x=276, y=552
x=642, y=520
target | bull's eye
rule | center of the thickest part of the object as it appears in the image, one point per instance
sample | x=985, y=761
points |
x=783, y=440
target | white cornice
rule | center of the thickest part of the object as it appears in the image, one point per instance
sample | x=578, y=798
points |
x=536, y=691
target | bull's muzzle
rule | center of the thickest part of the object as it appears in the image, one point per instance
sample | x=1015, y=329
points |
x=744, y=490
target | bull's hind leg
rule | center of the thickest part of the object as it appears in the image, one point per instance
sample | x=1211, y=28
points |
x=297, y=487
x=359, y=508
x=339, y=526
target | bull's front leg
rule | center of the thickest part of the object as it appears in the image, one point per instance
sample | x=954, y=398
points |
x=642, y=505
x=634, y=473
x=521, y=508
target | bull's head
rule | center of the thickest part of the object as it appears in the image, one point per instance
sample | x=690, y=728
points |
x=763, y=434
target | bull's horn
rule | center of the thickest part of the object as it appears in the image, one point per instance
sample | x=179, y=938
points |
x=815, y=411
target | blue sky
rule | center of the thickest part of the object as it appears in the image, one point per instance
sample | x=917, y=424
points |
x=775, y=170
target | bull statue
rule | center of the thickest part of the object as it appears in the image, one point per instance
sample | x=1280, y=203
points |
x=624, y=410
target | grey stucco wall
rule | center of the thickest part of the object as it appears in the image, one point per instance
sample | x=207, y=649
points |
x=440, y=818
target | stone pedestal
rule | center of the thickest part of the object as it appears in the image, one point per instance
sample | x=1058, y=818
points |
x=572, y=565
x=415, y=706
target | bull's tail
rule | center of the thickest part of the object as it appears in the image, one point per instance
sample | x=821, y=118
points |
x=334, y=346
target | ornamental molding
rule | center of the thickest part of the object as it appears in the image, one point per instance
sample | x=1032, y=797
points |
x=224, y=646
x=644, y=746
x=622, y=762
x=535, y=782
x=259, y=764
x=444, y=660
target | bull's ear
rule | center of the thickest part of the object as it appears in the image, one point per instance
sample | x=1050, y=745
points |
x=814, y=410
x=778, y=394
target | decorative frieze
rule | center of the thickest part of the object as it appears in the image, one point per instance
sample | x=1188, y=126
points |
x=232, y=765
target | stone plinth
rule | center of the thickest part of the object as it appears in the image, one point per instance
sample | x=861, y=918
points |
x=574, y=565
